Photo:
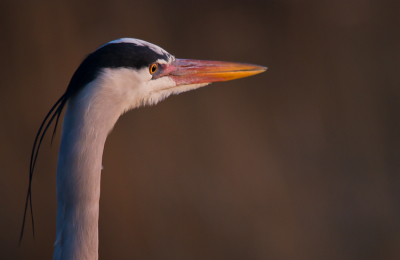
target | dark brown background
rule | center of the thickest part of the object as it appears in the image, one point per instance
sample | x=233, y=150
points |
x=300, y=162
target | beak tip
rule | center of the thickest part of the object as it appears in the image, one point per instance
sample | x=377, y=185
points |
x=261, y=69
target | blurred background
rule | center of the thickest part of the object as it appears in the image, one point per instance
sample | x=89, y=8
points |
x=300, y=162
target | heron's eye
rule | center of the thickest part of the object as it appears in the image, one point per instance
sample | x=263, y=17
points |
x=153, y=68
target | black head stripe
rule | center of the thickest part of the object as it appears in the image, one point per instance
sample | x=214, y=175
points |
x=113, y=55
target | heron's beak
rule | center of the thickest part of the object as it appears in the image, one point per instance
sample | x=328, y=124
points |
x=186, y=72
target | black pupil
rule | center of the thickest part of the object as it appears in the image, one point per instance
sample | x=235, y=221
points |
x=153, y=68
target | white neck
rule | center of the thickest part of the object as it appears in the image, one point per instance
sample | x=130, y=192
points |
x=89, y=117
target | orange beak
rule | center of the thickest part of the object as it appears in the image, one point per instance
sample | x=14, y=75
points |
x=186, y=72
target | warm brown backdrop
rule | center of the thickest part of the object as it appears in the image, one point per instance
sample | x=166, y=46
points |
x=301, y=162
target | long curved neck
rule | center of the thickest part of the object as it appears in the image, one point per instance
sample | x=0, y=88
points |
x=89, y=118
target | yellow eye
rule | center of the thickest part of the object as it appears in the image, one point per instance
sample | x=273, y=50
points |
x=153, y=68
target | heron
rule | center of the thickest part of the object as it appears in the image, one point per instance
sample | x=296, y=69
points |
x=119, y=76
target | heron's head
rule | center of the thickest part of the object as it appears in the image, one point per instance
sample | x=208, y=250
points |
x=141, y=73
x=127, y=73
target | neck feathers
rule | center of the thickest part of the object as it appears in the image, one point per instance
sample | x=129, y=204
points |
x=89, y=117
